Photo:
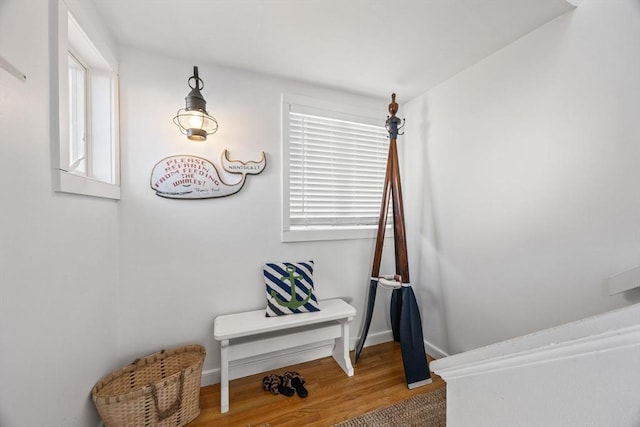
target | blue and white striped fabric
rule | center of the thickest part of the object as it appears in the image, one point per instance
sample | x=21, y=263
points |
x=289, y=288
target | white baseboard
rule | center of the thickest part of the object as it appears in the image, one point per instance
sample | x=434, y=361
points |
x=624, y=281
x=434, y=351
x=373, y=339
x=386, y=336
x=281, y=359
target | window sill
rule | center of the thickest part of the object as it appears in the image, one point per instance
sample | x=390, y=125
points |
x=76, y=184
x=310, y=234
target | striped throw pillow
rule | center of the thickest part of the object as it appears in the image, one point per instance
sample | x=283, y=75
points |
x=289, y=288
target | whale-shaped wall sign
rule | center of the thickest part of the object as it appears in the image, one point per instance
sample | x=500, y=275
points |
x=192, y=177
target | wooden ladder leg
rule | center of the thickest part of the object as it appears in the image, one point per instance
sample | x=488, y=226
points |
x=377, y=257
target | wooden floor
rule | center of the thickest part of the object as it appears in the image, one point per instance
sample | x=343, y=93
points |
x=333, y=397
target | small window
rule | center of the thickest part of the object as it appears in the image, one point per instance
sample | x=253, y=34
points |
x=86, y=136
x=77, y=116
x=334, y=166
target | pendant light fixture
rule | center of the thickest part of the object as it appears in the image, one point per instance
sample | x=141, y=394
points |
x=193, y=120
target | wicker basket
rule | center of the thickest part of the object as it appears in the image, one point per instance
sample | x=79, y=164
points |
x=161, y=390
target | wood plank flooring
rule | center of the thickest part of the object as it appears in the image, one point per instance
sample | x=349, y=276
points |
x=333, y=397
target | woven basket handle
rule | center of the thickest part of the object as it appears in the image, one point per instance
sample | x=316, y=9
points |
x=166, y=413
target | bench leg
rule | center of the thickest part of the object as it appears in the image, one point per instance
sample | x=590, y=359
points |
x=341, y=348
x=224, y=376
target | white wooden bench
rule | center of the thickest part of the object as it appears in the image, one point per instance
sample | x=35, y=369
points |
x=248, y=334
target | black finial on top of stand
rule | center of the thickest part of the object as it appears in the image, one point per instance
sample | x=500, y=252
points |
x=393, y=123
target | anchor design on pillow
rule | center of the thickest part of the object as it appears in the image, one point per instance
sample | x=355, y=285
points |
x=192, y=177
x=293, y=303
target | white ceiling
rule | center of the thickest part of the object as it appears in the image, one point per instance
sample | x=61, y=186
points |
x=373, y=47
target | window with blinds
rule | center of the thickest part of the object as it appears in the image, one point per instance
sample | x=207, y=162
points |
x=334, y=169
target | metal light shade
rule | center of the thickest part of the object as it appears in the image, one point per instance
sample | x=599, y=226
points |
x=193, y=120
x=196, y=124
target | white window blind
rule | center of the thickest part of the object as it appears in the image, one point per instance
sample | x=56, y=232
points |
x=336, y=169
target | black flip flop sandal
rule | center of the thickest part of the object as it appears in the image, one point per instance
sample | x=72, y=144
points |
x=285, y=387
x=297, y=382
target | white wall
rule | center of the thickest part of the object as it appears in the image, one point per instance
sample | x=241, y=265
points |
x=422, y=238
x=592, y=390
x=531, y=161
x=58, y=253
x=183, y=262
x=584, y=373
